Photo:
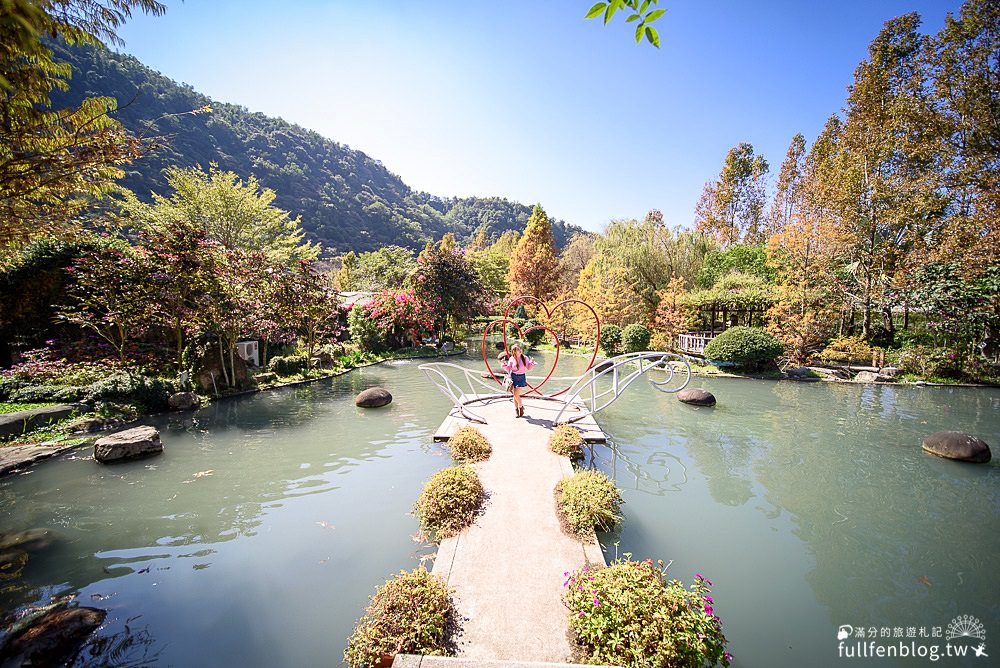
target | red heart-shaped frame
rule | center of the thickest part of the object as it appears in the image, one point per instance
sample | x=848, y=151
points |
x=548, y=313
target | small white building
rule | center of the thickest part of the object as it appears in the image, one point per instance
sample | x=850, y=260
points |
x=248, y=352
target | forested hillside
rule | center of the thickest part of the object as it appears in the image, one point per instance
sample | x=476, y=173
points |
x=347, y=200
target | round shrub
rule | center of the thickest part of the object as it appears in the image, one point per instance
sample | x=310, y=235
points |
x=288, y=365
x=150, y=393
x=587, y=500
x=567, y=441
x=635, y=338
x=410, y=613
x=749, y=347
x=665, y=624
x=449, y=501
x=534, y=337
x=469, y=445
x=611, y=340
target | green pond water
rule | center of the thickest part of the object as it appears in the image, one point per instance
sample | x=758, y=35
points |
x=256, y=539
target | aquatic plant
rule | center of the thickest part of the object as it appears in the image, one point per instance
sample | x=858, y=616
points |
x=449, y=501
x=587, y=500
x=469, y=445
x=411, y=613
x=628, y=614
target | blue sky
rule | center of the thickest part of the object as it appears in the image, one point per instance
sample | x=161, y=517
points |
x=527, y=100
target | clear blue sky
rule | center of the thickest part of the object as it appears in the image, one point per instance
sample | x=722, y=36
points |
x=527, y=100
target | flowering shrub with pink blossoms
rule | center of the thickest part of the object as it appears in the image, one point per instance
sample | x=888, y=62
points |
x=390, y=317
x=630, y=615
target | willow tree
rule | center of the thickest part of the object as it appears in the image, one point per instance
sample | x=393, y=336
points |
x=534, y=265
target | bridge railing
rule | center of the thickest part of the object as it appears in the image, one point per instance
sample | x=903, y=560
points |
x=464, y=385
x=622, y=371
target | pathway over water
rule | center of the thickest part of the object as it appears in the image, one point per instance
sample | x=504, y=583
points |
x=507, y=569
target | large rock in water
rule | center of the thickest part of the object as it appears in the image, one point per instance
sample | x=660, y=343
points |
x=183, y=401
x=128, y=444
x=956, y=445
x=373, y=397
x=50, y=638
x=696, y=397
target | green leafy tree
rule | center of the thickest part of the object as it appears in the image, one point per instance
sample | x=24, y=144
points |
x=534, y=266
x=446, y=277
x=388, y=268
x=315, y=310
x=54, y=162
x=492, y=263
x=742, y=258
x=237, y=215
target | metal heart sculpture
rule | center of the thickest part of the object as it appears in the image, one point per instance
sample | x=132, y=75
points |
x=548, y=313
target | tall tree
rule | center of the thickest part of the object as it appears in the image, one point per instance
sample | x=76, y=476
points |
x=446, y=277
x=965, y=72
x=534, y=265
x=53, y=162
x=788, y=194
x=886, y=186
x=237, y=214
x=732, y=207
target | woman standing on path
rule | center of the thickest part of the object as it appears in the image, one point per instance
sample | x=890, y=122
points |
x=518, y=365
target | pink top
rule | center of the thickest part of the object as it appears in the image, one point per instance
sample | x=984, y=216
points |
x=512, y=365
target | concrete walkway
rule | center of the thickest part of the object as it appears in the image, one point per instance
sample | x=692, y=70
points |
x=507, y=569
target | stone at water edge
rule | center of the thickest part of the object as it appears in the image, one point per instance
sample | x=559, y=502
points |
x=373, y=397
x=128, y=444
x=183, y=401
x=872, y=377
x=52, y=638
x=30, y=540
x=601, y=366
x=696, y=397
x=959, y=446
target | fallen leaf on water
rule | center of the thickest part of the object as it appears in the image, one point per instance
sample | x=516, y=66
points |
x=326, y=525
x=202, y=474
x=144, y=570
x=923, y=579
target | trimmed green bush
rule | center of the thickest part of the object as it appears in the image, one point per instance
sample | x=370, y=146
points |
x=449, y=501
x=630, y=615
x=288, y=365
x=748, y=347
x=635, y=338
x=567, y=441
x=469, y=445
x=587, y=500
x=611, y=340
x=410, y=614
x=534, y=337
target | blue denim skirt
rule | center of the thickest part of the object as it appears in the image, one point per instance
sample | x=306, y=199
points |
x=520, y=380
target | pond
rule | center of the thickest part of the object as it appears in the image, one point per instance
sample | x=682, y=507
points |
x=257, y=537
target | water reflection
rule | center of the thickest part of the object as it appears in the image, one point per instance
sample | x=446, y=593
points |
x=258, y=505
x=812, y=498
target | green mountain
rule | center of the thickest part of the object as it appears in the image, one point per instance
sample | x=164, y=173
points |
x=347, y=200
